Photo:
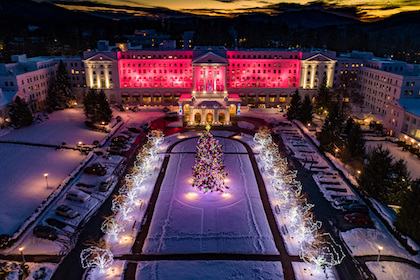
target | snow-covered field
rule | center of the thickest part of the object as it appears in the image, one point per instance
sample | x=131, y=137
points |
x=23, y=184
x=187, y=221
x=393, y=271
x=62, y=126
x=206, y=270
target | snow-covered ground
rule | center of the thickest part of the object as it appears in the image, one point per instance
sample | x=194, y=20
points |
x=393, y=271
x=206, y=270
x=62, y=126
x=187, y=221
x=305, y=271
x=23, y=184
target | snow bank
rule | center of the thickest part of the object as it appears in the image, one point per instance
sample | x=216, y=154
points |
x=393, y=271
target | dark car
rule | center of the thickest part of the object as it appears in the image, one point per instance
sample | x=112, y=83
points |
x=166, y=109
x=358, y=218
x=118, y=118
x=356, y=207
x=46, y=232
x=56, y=223
x=66, y=211
x=115, y=150
x=171, y=116
x=134, y=130
x=84, y=185
x=120, y=139
x=119, y=144
x=96, y=169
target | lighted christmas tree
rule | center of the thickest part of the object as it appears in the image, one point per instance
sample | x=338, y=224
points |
x=208, y=170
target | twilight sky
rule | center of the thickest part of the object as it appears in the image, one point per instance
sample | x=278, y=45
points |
x=362, y=9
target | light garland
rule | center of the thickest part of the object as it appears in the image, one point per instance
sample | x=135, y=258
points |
x=112, y=227
x=316, y=247
x=96, y=257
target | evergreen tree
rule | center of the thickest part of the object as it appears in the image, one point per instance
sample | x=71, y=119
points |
x=305, y=114
x=295, y=106
x=400, y=183
x=324, y=100
x=90, y=102
x=60, y=94
x=208, y=170
x=330, y=135
x=103, y=112
x=376, y=176
x=408, y=218
x=19, y=112
x=355, y=142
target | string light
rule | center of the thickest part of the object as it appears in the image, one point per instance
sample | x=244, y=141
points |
x=316, y=247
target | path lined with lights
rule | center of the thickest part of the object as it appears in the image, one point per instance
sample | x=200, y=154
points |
x=285, y=259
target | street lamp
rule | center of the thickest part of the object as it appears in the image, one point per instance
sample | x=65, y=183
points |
x=46, y=179
x=336, y=151
x=21, y=253
x=379, y=253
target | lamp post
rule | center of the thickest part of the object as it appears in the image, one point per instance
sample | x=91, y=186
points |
x=46, y=179
x=21, y=253
x=379, y=253
x=335, y=152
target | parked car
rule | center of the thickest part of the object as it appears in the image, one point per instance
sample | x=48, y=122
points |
x=105, y=185
x=120, y=139
x=119, y=145
x=345, y=200
x=358, y=218
x=77, y=195
x=172, y=116
x=66, y=211
x=84, y=185
x=128, y=136
x=116, y=150
x=59, y=225
x=46, y=232
x=118, y=118
x=356, y=207
x=134, y=130
x=166, y=109
x=96, y=168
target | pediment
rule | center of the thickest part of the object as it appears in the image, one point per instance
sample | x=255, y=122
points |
x=210, y=57
x=319, y=57
x=99, y=57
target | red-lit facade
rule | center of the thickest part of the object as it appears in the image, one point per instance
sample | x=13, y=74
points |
x=256, y=78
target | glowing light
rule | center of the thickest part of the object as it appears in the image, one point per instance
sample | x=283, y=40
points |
x=124, y=240
x=380, y=247
x=358, y=172
x=226, y=195
x=45, y=175
x=80, y=143
x=21, y=249
x=309, y=124
x=192, y=195
x=180, y=110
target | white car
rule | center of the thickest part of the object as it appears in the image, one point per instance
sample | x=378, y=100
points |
x=77, y=195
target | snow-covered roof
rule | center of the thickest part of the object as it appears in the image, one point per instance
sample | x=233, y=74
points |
x=6, y=96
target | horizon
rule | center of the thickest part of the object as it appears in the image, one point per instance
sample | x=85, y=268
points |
x=363, y=10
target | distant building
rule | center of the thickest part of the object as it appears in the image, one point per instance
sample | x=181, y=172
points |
x=187, y=41
x=29, y=78
x=148, y=38
x=390, y=88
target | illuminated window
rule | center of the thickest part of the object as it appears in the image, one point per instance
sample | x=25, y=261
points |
x=147, y=99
